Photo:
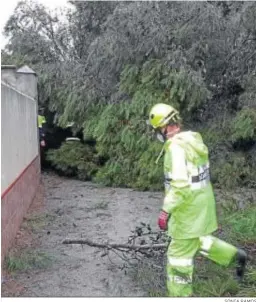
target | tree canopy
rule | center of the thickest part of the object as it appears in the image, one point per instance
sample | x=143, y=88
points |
x=102, y=62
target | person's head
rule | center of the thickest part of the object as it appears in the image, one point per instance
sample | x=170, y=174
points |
x=165, y=120
x=41, y=111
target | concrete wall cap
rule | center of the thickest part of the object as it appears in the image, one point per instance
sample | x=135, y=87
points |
x=8, y=67
x=26, y=69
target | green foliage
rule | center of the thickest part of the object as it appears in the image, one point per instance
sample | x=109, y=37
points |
x=213, y=136
x=74, y=159
x=232, y=170
x=244, y=125
x=230, y=167
x=16, y=59
x=156, y=82
x=247, y=99
x=82, y=68
x=122, y=135
x=121, y=131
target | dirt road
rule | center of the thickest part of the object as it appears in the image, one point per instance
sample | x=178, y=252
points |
x=75, y=209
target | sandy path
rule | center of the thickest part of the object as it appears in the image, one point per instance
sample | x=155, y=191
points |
x=83, y=209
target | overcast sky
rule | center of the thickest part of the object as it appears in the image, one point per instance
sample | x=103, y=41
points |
x=8, y=6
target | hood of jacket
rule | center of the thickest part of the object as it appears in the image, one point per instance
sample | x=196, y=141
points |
x=192, y=142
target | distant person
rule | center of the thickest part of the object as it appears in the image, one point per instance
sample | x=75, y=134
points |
x=189, y=210
x=41, y=127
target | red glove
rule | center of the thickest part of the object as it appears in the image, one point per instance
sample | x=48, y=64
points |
x=163, y=220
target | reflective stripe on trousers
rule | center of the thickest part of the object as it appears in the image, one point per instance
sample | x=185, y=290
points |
x=179, y=276
x=217, y=250
x=206, y=244
x=180, y=261
x=180, y=280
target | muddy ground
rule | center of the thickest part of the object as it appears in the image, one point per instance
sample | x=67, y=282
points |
x=68, y=208
x=75, y=209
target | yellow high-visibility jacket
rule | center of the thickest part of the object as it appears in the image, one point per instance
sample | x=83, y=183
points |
x=189, y=196
x=41, y=120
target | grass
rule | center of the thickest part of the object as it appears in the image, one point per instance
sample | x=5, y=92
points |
x=28, y=260
x=151, y=279
x=103, y=205
x=210, y=279
x=249, y=288
x=38, y=221
x=241, y=225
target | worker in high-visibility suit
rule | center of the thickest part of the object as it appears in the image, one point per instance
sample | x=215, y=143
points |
x=41, y=121
x=188, y=210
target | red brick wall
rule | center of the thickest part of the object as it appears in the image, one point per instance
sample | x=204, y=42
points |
x=15, y=203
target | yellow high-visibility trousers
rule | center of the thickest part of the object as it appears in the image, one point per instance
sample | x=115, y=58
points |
x=180, y=262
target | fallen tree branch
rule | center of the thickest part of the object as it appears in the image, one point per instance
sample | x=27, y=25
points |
x=116, y=245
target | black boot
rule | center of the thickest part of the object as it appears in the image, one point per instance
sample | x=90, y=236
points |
x=241, y=260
